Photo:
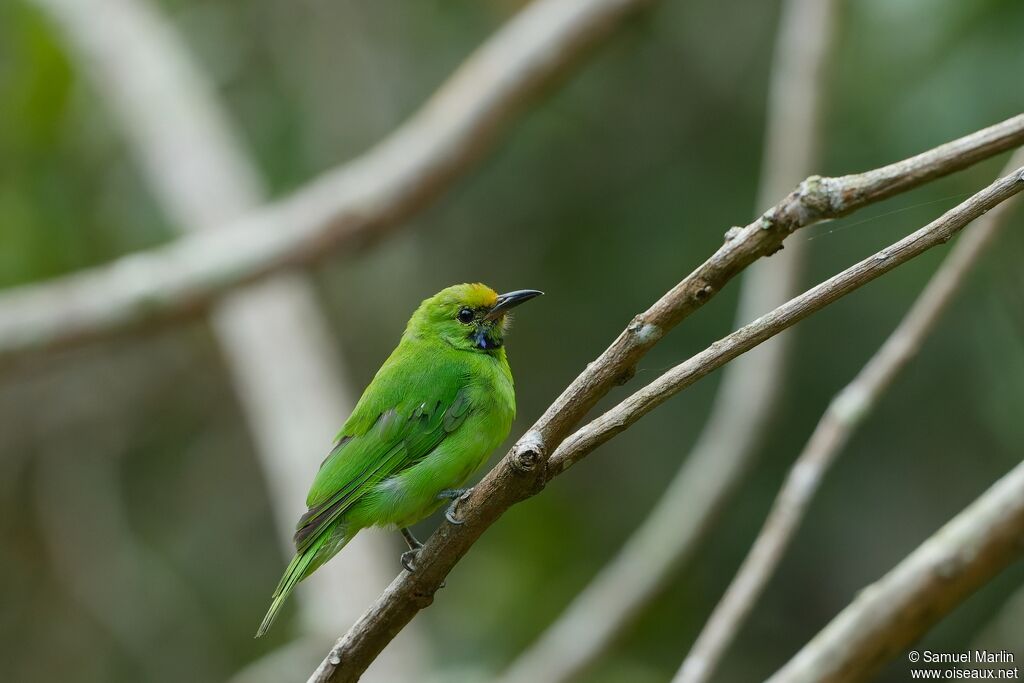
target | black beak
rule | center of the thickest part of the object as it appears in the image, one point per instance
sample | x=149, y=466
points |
x=511, y=300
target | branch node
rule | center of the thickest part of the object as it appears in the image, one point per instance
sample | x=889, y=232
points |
x=528, y=453
x=526, y=460
x=644, y=333
x=815, y=196
x=703, y=291
x=732, y=233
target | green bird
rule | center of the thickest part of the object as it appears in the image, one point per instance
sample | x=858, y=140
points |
x=442, y=401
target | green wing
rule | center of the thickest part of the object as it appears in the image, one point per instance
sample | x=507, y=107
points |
x=405, y=413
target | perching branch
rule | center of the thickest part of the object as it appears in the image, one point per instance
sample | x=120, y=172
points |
x=288, y=382
x=845, y=413
x=747, y=397
x=618, y=419
x=889, y=615
x=343, y=209
x=528, y=467
x=817, y=198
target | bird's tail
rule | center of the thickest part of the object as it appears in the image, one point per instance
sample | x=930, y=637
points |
x=301, y=566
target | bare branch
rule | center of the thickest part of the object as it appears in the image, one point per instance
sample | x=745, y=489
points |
x=747, y=396
x=525, y=469
x=846, y=411
x=347, y=207
x=893, y=612
x=618, y=419
x=815, y=199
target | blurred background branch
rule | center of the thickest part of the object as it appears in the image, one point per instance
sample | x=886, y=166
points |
x=895, y=611
x=1003, y=631
x=128, y=589
x=849, y=408
x=749, y=395
x=346, y=207
x=285, y=364
x=522, y=473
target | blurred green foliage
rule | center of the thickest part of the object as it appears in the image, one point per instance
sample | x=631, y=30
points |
x=131, y=511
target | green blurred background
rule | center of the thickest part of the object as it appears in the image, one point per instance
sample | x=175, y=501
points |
x=136, y=540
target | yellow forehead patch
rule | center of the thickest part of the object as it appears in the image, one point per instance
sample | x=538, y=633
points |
x=474, y=295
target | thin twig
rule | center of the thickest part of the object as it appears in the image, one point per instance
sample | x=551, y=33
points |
x=748, y=395
x=276, y=342
x=525, y=469
x=845, y=413
x=896, y=610
x=344, y=209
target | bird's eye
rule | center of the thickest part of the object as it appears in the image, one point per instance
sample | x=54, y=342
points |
x=465, y=315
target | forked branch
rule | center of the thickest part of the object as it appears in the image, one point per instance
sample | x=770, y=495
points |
x=622, y=416
x=528, y=467
x=815, y=199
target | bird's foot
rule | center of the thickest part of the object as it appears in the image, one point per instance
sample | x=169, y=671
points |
x=457, y=496
x=409, y=559
x=409, y=556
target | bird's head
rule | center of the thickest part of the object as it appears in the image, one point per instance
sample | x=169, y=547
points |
x=471, y=317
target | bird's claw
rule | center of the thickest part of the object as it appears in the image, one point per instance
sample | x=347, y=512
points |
x=409, y=559
x=457, y=496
